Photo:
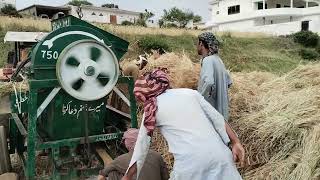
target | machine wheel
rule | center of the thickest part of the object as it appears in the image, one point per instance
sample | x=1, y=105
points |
x=82, y=66
x=5, y=164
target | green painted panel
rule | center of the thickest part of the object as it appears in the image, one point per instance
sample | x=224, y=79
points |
x=65, y=117
x=119, y=46
x=47, y=52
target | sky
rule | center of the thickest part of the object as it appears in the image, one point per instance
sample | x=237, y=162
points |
x=200, y=7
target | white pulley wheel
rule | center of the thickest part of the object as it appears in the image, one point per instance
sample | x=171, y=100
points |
x=87, y=70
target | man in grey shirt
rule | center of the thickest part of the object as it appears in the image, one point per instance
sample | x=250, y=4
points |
x=214, y=78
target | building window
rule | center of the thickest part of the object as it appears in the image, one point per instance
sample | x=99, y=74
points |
x=101, y=14
x=93, y=14
x=260, y=5
x=271, y=22
x=278, y=5
x=305, y=25
x=234, y=9
x=218, y=12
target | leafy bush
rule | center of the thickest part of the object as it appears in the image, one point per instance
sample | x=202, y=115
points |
x=309, y=54
x=171, y=25
x=9, y=10
x=318, y=48
x=306, y=38
x=149, y=43
x=79, y=2
x=127, y=23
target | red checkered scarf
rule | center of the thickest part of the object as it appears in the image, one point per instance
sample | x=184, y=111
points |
x=146, y=90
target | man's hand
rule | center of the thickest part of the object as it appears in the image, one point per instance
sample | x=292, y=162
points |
x=238, y=153
x=125, y=177
x=100, y=177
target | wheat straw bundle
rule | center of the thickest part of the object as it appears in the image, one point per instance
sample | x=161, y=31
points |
x=281, y=136
x=8, y=87
x=182, y=72
x=244, y=91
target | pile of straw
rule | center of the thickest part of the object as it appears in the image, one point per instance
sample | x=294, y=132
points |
x=7, y=87
x=244, y=90
x=183, y=73
x=281, y=134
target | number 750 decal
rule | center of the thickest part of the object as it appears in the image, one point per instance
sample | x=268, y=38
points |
x=50, y=54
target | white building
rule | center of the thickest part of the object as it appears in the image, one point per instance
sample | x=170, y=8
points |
x=6, y=2
x=105, y=15
x=277, y=17
x=152, y=22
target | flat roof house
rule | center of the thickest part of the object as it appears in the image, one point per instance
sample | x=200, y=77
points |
x=276, y=17
x=105, y=15
x=41, y=11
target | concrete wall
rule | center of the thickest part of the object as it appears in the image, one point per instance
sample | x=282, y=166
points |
x=273, y=29
x=314, y=24
x=242, y=26
x=277, y=21
x=29, y=12
x=103, y=16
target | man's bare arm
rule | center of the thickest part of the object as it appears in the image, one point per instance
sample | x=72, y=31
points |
x=131, y=172
x=236, y=146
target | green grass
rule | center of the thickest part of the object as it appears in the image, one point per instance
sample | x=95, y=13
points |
x=185, y=43
x=4, y=49
x=272, y=54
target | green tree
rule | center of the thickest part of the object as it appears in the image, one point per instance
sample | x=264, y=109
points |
x=197, y=19
x=110, y=6
x=79, y=2
x=143, y=17
x=9, y=10
x=179, y=17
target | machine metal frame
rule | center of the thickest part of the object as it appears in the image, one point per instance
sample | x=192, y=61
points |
x=26, y=141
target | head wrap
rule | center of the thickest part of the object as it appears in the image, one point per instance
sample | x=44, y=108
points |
x=146, y=90
x=130, y=138
x=209, y=39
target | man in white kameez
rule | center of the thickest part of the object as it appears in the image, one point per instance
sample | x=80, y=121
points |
x=196, y=133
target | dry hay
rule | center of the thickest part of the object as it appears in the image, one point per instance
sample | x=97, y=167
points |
x=281, y=135
x=182, y=72
x=244, y=91
x=7, y=87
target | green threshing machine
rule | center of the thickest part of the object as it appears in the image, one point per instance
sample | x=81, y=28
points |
x=66, y=113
